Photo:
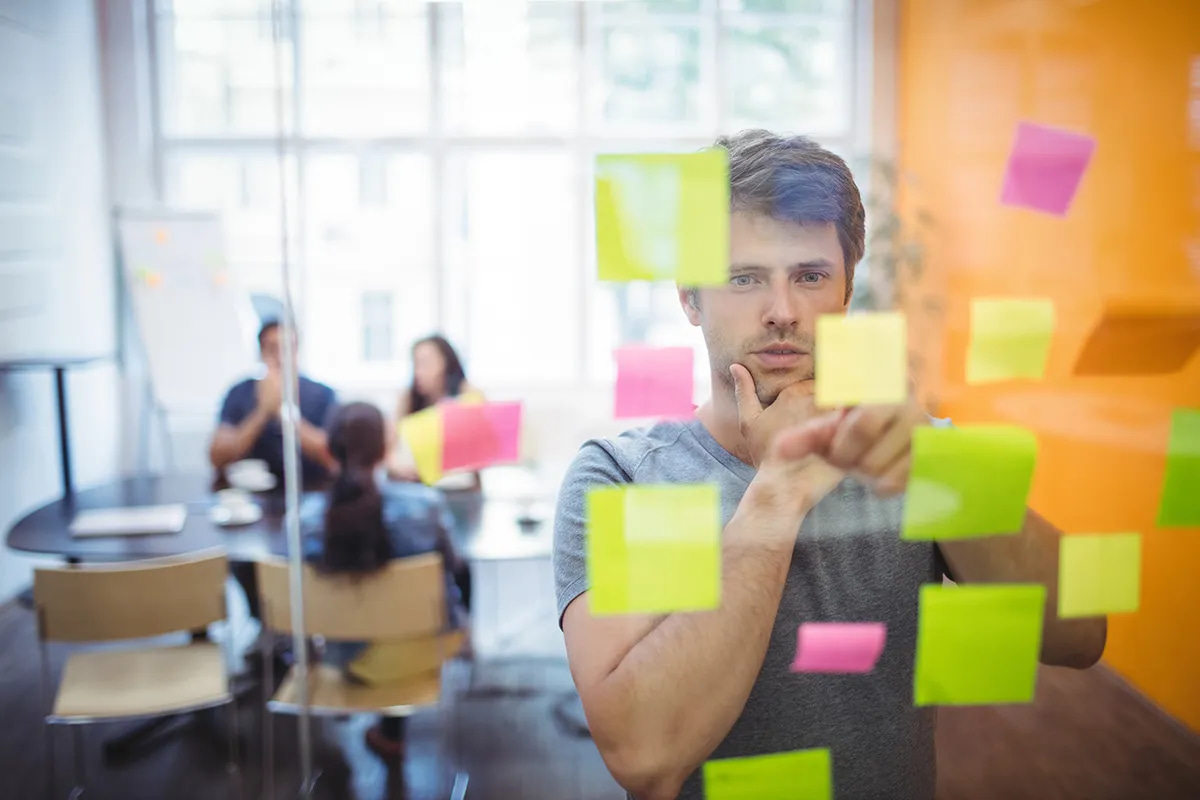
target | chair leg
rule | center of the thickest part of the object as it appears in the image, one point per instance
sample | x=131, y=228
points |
x=80, y=761
x=268, y=720
x=49, y=758
x=234, y=766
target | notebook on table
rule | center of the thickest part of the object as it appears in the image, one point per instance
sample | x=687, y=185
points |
x=138, y=521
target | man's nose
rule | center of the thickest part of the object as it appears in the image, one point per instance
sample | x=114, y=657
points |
x=781, y=311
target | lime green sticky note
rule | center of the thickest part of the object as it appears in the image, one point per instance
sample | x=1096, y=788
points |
x=1099, y=573
x=1010, y=339
x=862, y=358
x=653, y=549
x=978, y=644
x=663, y=216
x=968, y=481
x=798, y=775
x=1180, y=505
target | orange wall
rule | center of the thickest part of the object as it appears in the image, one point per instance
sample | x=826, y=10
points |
x=969, y=71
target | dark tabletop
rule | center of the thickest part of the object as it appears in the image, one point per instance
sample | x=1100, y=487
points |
x=484, y=529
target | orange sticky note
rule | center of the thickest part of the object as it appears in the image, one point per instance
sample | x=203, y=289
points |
x=162, y=236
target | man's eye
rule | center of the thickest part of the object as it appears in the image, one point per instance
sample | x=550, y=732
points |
x=812, y=277
x=741, y=280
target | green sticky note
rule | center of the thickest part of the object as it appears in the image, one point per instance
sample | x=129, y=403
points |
x=798, y=775
x=862, y=358
x=654, y=549
x=1099, y=573
x=1180, y=506
x=969, y=481
x=663, y=216
x=1010, y=339
x=979, y=644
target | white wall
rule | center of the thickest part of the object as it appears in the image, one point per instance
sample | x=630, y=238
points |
x=52, y=181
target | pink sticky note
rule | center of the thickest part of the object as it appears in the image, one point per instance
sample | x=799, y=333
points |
x=654, y=382
x=839, y=646
x=1045, y=168
x=505, y=419
x=480, y=434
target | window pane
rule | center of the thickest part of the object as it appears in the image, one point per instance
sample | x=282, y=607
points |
x=650, y=77
x=245, y=190
x=377, y=315
x=650, y=6
x=368, y=232
x=509, y=67
x=787, y=6
x=218, y=77
x=513, y=254
x=793, y=78
x=216, y=8
x=365, y=73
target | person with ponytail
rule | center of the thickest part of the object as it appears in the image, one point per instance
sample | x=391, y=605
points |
x=363, y=523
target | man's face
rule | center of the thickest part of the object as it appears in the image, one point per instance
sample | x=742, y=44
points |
x=782, y=276
x=271, y=349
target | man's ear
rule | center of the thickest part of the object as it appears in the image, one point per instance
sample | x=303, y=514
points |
x=689, y=299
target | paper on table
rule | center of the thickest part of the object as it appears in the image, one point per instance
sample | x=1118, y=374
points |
x=968, y=481
x=135, y=521
x=1045, y=168
x=861, y=358
x=839, y=646
x=422, y=433
x=653, y=549
x=1010, y=339
x=978, y=644
x=796, y=775
x=1099, y=573
x=654, y=382
x=1180, y=503
x=663, y=216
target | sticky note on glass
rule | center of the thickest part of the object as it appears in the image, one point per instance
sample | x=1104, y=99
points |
x=653, y=549
x=479, y=434
x=1134, y=338
x=654, y=382
x=1010, y=339
x=978, y=645
x=839, y=646
x=968, y=481
x=663, y=216
x=1180, y=503
x=422, y=433
x=796, y=775
x=1045, y=168
x=1099, y=573
x=861, y=358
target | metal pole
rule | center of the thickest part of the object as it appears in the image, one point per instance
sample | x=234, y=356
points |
x=289, y=418
x=64, y=441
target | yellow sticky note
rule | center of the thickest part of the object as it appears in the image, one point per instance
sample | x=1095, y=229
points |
x=1010, y=339
x=861, y=358
x=1099, y=573
x=798, y=775
x=653, y=549
x=663, y=216
x=422, y=432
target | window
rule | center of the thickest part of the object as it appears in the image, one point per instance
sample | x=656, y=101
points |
x=377, y=336
x=438, y=157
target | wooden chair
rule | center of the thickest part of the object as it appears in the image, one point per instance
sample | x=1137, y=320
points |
x=404, y=605
x=124, y=601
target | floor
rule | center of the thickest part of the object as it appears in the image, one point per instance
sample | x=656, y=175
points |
x=513, y=725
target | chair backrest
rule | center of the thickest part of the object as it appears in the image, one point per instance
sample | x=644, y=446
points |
x=130, y=600
x=405, y=598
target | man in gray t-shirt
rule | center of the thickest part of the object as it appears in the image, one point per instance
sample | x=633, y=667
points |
x=810, y=504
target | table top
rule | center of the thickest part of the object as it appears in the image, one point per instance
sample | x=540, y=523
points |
x=485, y=529
x=49, y=361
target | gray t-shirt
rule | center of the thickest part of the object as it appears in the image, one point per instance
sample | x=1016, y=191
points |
x=849, y=565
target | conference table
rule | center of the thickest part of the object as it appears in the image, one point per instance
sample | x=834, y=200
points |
x=485, y=529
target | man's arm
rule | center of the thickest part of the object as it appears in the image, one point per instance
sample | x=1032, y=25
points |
x=314, y=443
x=660, y=693
x=231, y=443
x=1031, y=556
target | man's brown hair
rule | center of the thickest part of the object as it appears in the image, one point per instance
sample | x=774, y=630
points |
x=793, y=178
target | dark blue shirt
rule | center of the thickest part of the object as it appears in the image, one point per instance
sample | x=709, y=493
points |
x=316, y=402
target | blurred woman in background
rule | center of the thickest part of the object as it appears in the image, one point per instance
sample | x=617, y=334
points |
x=362, y=524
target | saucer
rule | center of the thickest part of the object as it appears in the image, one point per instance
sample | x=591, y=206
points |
x=228, y=516
x=252, y=481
